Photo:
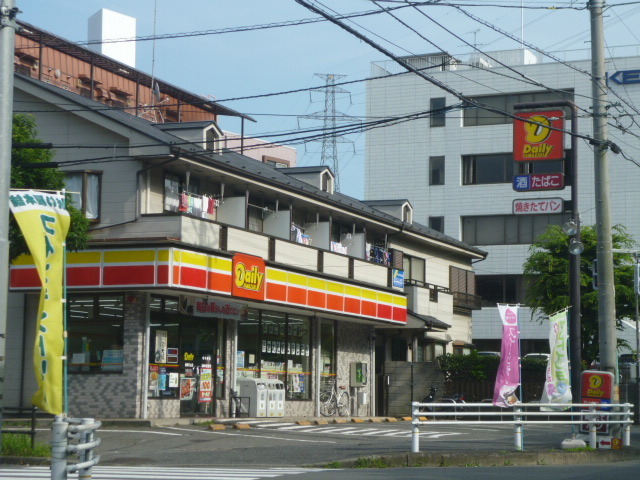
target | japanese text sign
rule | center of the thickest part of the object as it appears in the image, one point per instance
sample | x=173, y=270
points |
x=538, y=206
x=538, y=181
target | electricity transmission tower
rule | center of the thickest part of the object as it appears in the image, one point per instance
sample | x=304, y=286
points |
x=330, y=118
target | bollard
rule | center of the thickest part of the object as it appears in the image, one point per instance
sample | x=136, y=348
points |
x=415, y=438
x=518, y=429
x=593, y=438
x=415, y=429
x=86, y=455
x=59, y=430
x=626, y=429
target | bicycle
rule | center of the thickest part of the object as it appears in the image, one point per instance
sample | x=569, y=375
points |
x=332, y=402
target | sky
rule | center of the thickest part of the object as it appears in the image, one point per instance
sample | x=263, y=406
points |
x=263, y=61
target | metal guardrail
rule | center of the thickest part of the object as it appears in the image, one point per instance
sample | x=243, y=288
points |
x=523, y=414
x=82, y=431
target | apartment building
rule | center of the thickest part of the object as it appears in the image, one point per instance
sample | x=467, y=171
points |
x=208, y=269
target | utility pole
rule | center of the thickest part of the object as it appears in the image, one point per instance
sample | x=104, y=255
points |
x=8, y=27
x=606, y=287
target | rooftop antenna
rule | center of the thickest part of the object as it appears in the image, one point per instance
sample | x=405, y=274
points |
x=155, y=89
x=522, y=24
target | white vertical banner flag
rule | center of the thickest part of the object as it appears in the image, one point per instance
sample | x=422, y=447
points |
x=557, y=385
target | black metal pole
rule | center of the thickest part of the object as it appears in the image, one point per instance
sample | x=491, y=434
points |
x=575, y=327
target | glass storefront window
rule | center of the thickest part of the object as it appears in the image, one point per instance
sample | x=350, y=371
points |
x=186, y=360
x=298, y=357
x=95, y=326
x=273, y=345
x=273, y=354
x=248, y=338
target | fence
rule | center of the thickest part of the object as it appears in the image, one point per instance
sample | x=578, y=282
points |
x=19, y=414
x=522, y=414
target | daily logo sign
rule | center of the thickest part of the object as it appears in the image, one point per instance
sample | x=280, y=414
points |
x=44, y=222
x=535, y=136
x=248, y=276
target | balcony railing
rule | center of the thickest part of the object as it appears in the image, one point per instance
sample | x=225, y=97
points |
x=467, y=300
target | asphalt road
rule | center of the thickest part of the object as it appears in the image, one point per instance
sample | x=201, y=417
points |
x=286, y=444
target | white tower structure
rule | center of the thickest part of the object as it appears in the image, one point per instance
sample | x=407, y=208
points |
x=108, y=25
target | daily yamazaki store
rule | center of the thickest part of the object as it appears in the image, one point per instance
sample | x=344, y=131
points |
x=167, y=332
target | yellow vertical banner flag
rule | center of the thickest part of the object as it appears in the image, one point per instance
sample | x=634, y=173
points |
x=44, y=222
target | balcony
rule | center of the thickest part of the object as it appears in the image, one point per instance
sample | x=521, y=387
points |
x=210, y=234
x=467, y=300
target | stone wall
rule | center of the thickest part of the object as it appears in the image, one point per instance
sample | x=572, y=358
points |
x=354, y=344
x=115, y=395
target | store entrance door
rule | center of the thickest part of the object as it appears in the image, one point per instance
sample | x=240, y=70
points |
x=201, y=358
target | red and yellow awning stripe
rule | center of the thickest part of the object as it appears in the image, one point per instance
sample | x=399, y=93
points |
x=196, y=271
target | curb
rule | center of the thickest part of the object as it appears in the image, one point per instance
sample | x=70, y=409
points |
x=489, y=459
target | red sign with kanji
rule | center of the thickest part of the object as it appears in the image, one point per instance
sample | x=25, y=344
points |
x=538, y=206
x=533, y=140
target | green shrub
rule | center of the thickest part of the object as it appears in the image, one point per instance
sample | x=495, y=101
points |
x=20, y=446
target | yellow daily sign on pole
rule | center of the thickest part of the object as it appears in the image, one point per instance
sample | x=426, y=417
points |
x=44, y=222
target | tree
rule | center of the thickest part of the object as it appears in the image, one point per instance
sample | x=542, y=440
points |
x=547, y=278
x=24, y=175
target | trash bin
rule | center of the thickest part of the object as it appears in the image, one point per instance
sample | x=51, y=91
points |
x=256, y=390
x=275, y=398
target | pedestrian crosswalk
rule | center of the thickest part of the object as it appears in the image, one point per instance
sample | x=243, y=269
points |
x=161, y=473
x=344, y=429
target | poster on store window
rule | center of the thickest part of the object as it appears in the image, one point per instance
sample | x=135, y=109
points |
x=206, y=387
x=153, y=377
x=174, y=379
x=161, y=346
x=187, y=386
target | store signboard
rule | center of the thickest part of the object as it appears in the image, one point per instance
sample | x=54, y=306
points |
x=205, y=393
x=535, y=136
x=538, y=181
x=248, y=276
x=214, y=308
x=538, y=206
x=597, y=387
x=398, y=278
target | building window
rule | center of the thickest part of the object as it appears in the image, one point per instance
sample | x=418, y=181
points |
x=474, y=116
x=482, y=169
x=84, y=190
x=276, y=162
x=508, y=229
x=407, y=214
x=436, y=107
x=500, y=289
x=274, y=345
x=462, y=281
x=95, y=333
x=414, y=268
x=437, y=224
x=501, y=168
x=436, y=170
